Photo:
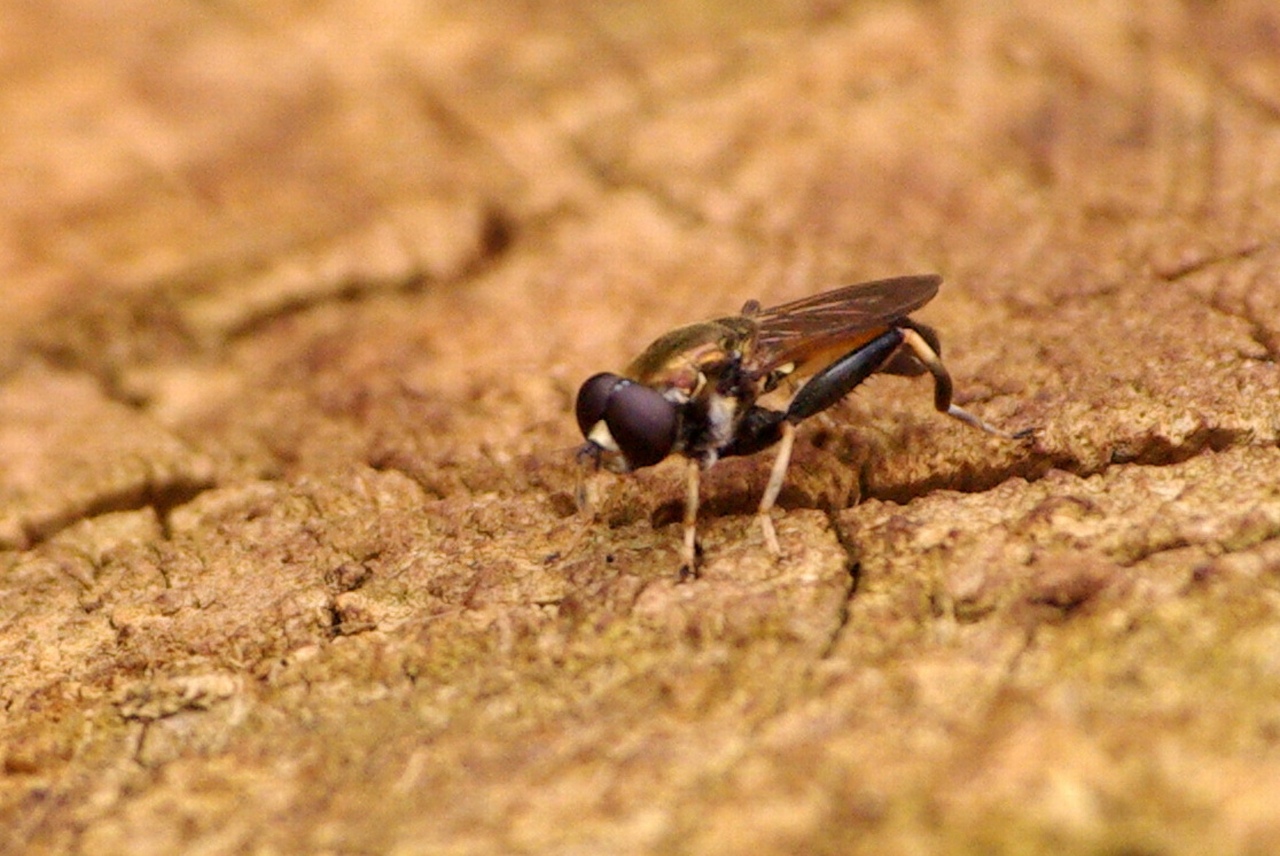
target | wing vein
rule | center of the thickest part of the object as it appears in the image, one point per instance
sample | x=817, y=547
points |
x=797, y=331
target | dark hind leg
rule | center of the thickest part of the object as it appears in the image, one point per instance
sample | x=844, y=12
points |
x=900, y=350
x=889, y=352
x=942, y=387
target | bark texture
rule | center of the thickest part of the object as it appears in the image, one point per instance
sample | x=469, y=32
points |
x=296, y=298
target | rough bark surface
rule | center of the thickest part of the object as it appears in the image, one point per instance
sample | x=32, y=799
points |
x=297, y=298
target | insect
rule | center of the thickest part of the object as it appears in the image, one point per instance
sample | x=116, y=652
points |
x=693, y=392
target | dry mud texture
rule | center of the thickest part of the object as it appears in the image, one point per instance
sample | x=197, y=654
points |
x=296, y=301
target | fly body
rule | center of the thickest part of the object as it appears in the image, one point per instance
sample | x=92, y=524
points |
x=693, y=392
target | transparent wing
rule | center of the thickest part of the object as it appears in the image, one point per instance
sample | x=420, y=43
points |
x=802, y=330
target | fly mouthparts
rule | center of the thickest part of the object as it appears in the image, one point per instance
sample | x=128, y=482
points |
x=589, y=451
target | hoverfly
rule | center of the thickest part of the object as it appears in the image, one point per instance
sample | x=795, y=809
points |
x=693, y=391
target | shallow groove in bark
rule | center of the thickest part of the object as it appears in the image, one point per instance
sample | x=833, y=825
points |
x=1153, y=451
x=163, y=498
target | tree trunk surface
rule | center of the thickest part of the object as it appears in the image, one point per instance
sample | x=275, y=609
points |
x=297, y=299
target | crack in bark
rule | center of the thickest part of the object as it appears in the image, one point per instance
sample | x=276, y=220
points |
x=1196, y=265
x=614, y=177
x=497, y=234
x=1156, y=452
x=162, y=498
x=1267, y=337
x=854, y=569
x=160, y=331
x=1241, y=93
x=1152, y=451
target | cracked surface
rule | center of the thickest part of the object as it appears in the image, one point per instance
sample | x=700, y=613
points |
x=297, y=304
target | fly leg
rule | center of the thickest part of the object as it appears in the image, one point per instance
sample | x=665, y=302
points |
x=942, y=389
x=588, y=457
x=584, y=495
x=823, y=390
x=690, y=551
x=760, y=429
x=883, y=353
x=776, y=476
x=840, y=378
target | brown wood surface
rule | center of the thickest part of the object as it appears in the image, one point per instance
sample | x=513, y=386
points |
x=296, y=298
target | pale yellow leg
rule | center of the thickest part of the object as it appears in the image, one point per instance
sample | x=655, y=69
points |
x=692, y=474
x=582, y=494
x=776, y=477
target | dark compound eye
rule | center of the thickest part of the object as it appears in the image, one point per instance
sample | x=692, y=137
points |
x=642, y=422
x=593, y=396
